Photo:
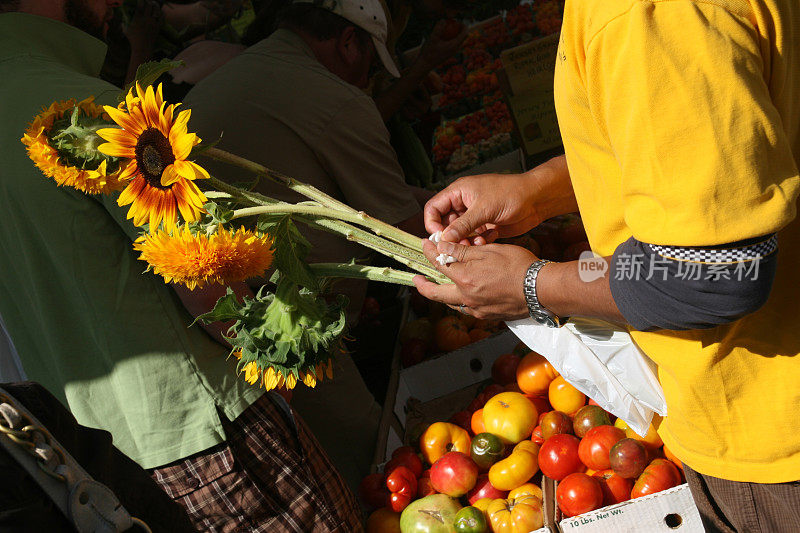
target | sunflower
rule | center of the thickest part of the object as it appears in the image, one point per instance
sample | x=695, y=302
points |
x=270, y=378
x=194, y=260
x=61, y=141
x=157, y=144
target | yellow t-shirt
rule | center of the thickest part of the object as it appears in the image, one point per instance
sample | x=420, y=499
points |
x=681, y=126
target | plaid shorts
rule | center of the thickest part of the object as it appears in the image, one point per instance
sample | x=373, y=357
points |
x=270, y=475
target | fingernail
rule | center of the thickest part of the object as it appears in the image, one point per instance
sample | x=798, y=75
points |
x=446, y=247
x=449, y=235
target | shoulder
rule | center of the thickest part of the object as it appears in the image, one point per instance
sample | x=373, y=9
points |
x=588, y=18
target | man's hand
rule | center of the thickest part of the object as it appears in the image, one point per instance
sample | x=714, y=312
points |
x=501, y=205
x=493, y=205
x=144, y=26
x=487, y=279
x=440, y=46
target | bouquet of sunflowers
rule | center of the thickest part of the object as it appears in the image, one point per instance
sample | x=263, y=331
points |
x=143, y=149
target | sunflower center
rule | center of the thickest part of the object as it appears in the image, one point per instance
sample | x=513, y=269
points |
x=153, y=155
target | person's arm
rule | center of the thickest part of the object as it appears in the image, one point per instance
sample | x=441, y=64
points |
x=142, y=33
x=432, y=54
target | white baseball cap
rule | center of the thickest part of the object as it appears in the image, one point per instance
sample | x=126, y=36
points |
x=368, y=15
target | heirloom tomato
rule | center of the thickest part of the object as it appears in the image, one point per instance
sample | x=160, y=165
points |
x=511, y=416
x=519, y=515
x=384, y=520
x=578, y=493
x=528, y=488
x=431, y=514
x=671, y=456
x=451, y=334
x=534, y=374
x=558, y=456
x=402, y=483
x=628, y=458
x=659, y=475
x=616, y=489
x=516, y=469
x=470, y=520
x=588, y=417
x=554, y=423
x=476, y=422
x=504, y=369
x=404, y=456
x=595, y=447
x=373, y=492
x=486, y=450
x=454, y=474
x=564, y=397
x=484, y=489
x=651, y=440
x=442, y=437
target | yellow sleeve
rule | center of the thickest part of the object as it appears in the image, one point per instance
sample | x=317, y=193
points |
x=678, y=88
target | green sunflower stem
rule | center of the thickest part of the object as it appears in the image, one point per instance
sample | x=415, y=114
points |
x=377, y=226
x=384, y=274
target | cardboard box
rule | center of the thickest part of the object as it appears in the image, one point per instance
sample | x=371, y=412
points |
x=667, y=511
x=530, y=67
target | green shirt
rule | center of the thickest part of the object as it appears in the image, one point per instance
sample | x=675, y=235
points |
x=110, y=342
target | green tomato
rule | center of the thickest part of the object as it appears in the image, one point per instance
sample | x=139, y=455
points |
x=486, y=450
x=432, y=514
x=471, y=520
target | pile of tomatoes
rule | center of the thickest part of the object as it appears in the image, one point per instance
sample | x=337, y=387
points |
x=479, y=471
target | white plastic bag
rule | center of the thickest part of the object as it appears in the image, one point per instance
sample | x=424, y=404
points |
x=602, y=361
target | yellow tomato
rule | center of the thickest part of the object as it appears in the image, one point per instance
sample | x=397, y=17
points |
x=483, y=505
x=651, y=440
x=516, y=469
x=384, y=520
x=528, y=488
x=564, y=397
x=511, y=416
x=519, y=515
x=443, y=437
x=534, y=374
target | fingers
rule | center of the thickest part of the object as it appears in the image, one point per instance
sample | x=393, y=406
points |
x=447, y=294
x=439, y=208
x=462, y=227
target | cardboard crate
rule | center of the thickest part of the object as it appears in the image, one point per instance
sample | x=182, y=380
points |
x=667, y=511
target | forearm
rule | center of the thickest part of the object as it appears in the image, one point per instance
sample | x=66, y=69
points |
x=391, y=100
x=561, y=290
x=551, y=187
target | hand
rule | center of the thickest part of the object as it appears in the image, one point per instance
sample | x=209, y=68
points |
x=439, y=48
x=493, y=205
x=143, y=29
x=488, y=280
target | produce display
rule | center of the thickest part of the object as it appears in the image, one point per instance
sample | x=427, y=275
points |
x=476, y=123
x=481, y=470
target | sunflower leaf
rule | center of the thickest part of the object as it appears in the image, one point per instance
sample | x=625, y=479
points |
x=149, y=72
x=218, y=213
x=289, y=250
x=227, y=308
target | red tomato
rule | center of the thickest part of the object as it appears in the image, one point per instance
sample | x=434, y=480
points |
x=659, y=475
x=541, y=403
x=578, y=493
x=596, y=445
x=558, y=456
x=616, y=489
x=404, y=456
x=491, y=391
x=373, y=492
x=462, y=419
x=536, y=436
x=504, y=369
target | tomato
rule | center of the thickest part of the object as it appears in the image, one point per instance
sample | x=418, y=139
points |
x=651, y=440
x=587, y=417
x=628, y=458
x=671, y=456
x=424, y=485
x=470, y=520
x=491, y=390
x=486, y=450
x=404, y=456
x=511, y=416
x=527, y=488
x=578, y=493
x=451, y=334
x=373, y=492
x=564, y=397
x=431, y=514
x=534, y=374
x=441, y=438
x=402, y=483
x=413, y=352
x=521, y=349
x=616, y=489
x=595, y=447
x=541, y=403
x=478, y=334
x=504, y=369
x=454, y=474
x=519, y=515
x=420, y=329
x=659, y=475
x=484, y=489
x=516, y=469
x=555, y=423
x=462, y=419
x=384, y=520
x=476, y=422
x=536, y=436
x=558, y=456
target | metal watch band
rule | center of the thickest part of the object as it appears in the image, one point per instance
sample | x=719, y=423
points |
x=535, y=309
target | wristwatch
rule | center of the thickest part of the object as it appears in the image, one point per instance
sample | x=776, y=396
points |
x=537, y=311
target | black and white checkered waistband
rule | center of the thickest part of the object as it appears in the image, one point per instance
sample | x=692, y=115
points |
x=751, y=252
